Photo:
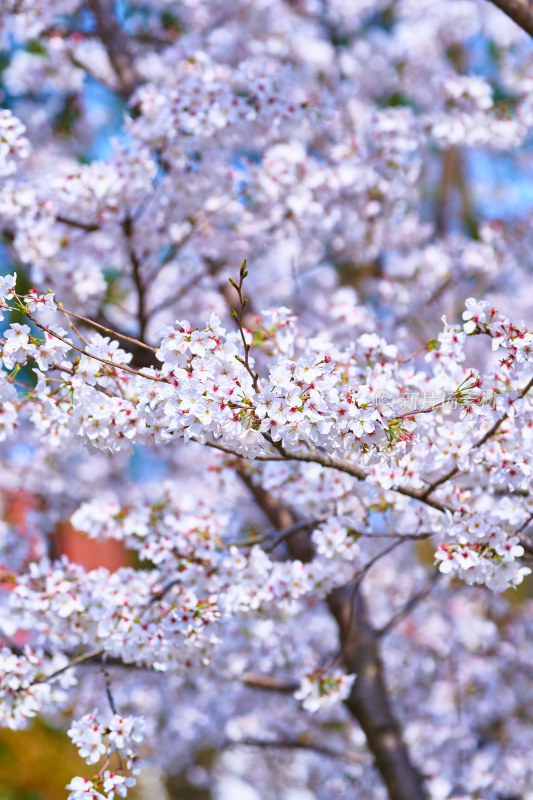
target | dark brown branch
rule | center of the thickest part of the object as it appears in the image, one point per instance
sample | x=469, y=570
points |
x=450, y=166
x=280, y=518
x=230, y=452
x=362, y=572
x=89, y=227
x=304, y=527
x=108, y=690
x=116, y=43
x=142, y=354
x=272, y=539
x=295, y=744
x=127, y=227
x=520, y=11
x=270, y=682
x=174, y=248
x=318, y=457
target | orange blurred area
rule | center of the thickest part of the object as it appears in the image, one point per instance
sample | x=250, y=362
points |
x=37, y=763
x=79, y=547
x=16, y=508
x=91, y=553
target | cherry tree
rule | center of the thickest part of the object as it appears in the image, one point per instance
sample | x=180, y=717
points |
x=264, y=294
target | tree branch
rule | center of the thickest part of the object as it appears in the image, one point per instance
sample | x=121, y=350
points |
x=116, y=43
x=127, y=227
x=296, y=744
x=520, y=11
x=281, y=518
x=270, y=682
x=107, y=329
x=89, y=227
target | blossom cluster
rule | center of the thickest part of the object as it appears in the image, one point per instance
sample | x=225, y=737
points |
x=320, y=689
x=317, y=397
x=207, y=98
x=13, y=144
x=24, y=691
x=484, y=550
x=96, y=739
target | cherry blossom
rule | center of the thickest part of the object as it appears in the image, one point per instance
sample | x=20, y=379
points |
x=266, y=323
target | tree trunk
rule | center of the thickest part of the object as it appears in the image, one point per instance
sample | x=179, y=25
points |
x=369, y=700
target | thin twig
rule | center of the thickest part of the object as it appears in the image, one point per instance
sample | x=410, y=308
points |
x=410, y=605
x=357, y=578
x=91, y=355
x=160, y=593
x=270, y=682
x=283, y=535
x=494, y=429
x=295, y=744
x=72, y=372
x=524, y=525
x=74, y=328
x=243, y=301
x=175, y=298
x=107, y=330
x=89, y=227
x=73, y=663
x=230, y=452
x=108, y=691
